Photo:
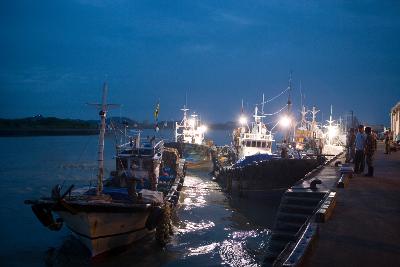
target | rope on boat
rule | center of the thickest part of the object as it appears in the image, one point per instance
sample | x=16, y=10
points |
x=271, y=114
x=274, y=126
x=275, y=97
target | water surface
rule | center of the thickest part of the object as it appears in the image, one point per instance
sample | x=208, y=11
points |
x=209, y=229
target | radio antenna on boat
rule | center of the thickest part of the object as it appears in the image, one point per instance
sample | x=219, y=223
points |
x=262, y=107
x=289, y=104
x=103, y=107
x=186, y=98
x=301, y=96
x=314, y=121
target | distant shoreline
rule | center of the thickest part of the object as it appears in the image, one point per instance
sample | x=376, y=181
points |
x=47, y=132
x=51, y=126
x=60, y=132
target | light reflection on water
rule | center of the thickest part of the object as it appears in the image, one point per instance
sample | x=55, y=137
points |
x=223, y=236
x=208, y=231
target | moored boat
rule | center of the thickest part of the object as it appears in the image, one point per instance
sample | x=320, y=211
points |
x=252, y=139
x=259, y=172
x=189, y=137
x=135, y=201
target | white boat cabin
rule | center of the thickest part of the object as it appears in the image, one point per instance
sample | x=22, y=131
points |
x=140, y=158
x=189, y=130
x=253, y=139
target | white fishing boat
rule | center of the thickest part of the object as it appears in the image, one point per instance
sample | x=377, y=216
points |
x=253, y=139
x=133, y=202
x=335, y=137
x=190, y=130
x=308, y=136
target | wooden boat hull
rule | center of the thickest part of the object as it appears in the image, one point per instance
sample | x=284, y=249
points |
x=101, y=232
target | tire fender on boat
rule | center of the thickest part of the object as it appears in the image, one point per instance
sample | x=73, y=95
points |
x=154, y=218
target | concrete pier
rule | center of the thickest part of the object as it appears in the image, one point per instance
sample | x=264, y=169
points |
x=364, y=229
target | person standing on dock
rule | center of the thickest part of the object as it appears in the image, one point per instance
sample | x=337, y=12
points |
x=359, y=160
x=370, y=148
x=387, y=142
x=351, y=145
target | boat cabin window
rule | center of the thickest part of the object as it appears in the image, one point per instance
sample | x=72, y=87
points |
x=263, y=144
x=248, y=143
x=259, y=143
x=253, y=144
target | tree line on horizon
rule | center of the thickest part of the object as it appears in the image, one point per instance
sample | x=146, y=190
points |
x=40, y=122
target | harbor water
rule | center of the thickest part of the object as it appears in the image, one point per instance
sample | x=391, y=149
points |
x=210, y=229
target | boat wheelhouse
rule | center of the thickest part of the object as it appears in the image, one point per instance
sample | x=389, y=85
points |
x=190, y=130
x=254, y=138
x=140, y=158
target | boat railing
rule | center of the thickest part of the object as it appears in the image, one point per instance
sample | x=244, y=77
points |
x=252, y=136
x=145, y=149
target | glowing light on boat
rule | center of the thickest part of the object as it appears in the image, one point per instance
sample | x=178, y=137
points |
x=332, y=131
x=203, y=128
x=285, y=121
x=242, y=120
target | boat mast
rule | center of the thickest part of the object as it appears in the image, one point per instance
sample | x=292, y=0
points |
x=103, y=107
x=330, y=125
x=102, y=113
x=262, y=109
x=304, y=112
x=289, y=106
x=183, y=124
x=314, y=122
x=303, y=118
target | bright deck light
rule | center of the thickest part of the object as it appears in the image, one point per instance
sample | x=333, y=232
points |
x=285, y=121
x=242, y=120
x=332, y=131
x=203, y=128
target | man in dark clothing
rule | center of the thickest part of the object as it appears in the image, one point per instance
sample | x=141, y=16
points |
x=370, y=148
x=359, y=159
x=387, y=142
x=351, y=146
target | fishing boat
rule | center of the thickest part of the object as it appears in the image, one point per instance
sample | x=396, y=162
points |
x=189, y=137
x=259, y=172
x=190, y=130
x=252, y=139
x=133, y=202
x=308, y=137
x=335, y=137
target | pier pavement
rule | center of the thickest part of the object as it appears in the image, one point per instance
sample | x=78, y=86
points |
x=364, y=229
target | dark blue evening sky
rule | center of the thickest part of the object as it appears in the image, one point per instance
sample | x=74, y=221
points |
x=55, y=56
